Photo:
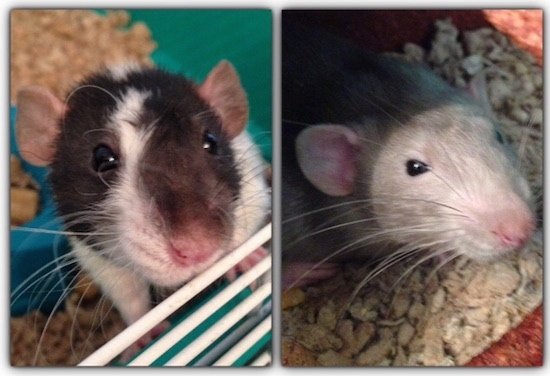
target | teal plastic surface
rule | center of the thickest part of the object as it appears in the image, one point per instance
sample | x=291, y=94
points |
x=37, y=278
x=222, y=344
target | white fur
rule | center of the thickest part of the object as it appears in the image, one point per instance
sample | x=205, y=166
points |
x=120, y=72
x=254, y=201
x=126, y=289
x=128, y=111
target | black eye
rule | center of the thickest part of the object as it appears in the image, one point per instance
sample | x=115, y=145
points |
x=416, y=167
x=209, y=142
x=104, y=159
x=499, y=137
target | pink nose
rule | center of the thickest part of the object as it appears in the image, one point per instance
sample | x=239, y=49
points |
x=515, y=232
x=188, y=250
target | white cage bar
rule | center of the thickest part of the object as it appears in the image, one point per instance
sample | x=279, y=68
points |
x=252, y=306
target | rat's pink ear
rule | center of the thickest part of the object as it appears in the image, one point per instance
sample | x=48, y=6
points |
x=37, y=124
x=477, y=89
x=327, y=156
x=223, y=91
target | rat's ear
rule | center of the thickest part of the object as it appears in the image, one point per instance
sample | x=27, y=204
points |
x=223, y=91
x=37, y=124
x=327, y=156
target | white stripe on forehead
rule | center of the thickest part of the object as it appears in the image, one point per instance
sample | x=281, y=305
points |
x=130, y=106
x=124, y=121
x=121, y=72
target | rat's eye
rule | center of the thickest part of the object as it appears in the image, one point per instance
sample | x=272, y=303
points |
x=104, y=159
x=416, y=167
x=209, y=142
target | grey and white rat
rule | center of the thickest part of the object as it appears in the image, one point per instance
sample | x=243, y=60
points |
x=153, y=174
x=381, y=157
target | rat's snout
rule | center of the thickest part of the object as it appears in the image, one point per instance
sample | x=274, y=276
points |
x=514, y=229
x=193, y=247
x=509, y=221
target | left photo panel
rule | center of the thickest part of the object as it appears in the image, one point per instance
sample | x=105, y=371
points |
x=140, y=147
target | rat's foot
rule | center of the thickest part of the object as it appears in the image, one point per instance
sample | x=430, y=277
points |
x=246, y=264
x=299, y=274
x=141, y=343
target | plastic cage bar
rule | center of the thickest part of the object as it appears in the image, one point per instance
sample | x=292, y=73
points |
x=230, y=327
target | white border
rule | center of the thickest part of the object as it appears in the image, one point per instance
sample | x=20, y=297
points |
x=276, y=6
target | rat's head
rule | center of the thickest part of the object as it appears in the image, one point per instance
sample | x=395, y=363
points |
x=143, y=165
x=444, y=181
x=447, y=182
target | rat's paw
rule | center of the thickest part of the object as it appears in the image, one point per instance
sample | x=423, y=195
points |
x=141, y=343
x=300, y=274
x=247, y=263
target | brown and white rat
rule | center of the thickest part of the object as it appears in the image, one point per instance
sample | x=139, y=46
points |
x=381, y=158
x=154, y=175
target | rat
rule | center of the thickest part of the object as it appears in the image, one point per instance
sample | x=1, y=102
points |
x=382, y=159
x=154, y=176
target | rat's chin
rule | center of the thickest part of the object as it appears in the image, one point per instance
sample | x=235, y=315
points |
x=169, y=275
x=484, y=254
x=170, y=271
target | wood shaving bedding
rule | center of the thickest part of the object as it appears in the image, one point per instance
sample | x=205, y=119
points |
x=68, y=336
x=436, y=317
x=56, y=48
x=24, y=194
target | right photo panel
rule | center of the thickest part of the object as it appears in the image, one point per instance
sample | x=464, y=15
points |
x=412, y=188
